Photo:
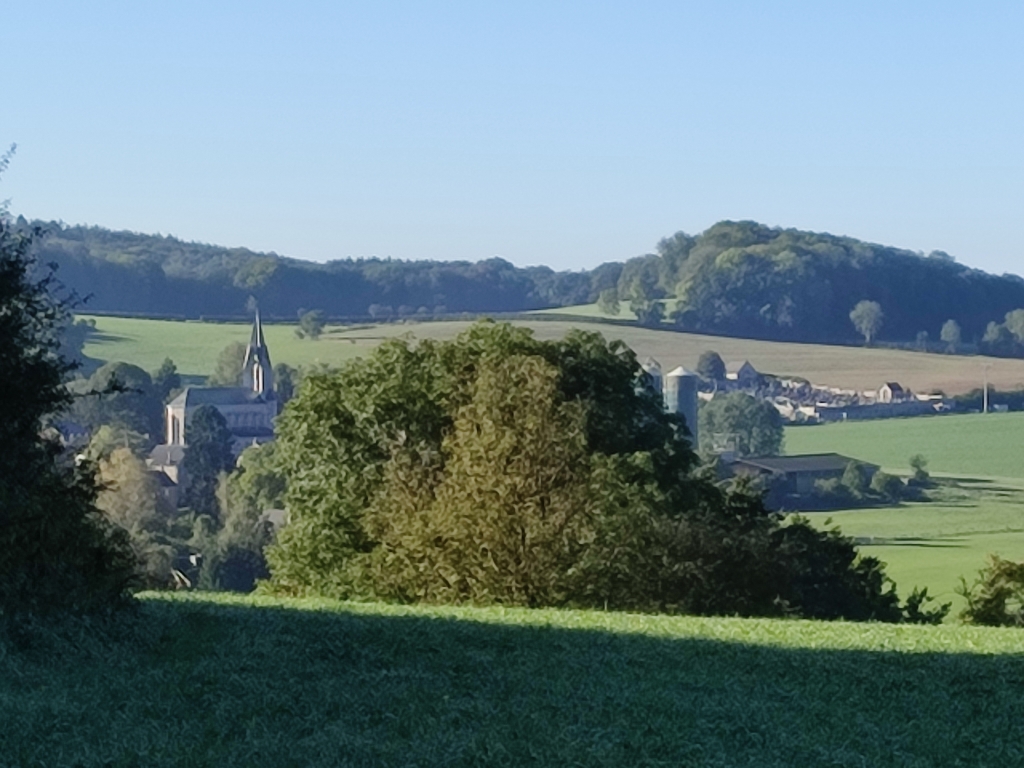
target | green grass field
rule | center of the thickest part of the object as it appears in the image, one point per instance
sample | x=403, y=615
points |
x=978, y=509
x=194, y=346
x=257, y=682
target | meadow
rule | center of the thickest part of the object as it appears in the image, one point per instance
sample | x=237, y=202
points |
x=976, y=509
x=194, y=347
x=233, y=681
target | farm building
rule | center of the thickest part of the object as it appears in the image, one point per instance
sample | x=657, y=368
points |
x=743, y=373
x=796, y=475
x=891, y=392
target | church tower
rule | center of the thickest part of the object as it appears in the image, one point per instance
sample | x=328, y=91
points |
x=257, y=372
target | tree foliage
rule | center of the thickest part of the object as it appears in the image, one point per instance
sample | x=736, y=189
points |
x=497, y=468
x=752, y=425
x=867, y=318
x=129, y=498
x=57, y=553
x=608, y=301
x=996, y=598
x=207, y=455
x=711, y=366
x=312, y=323
x=120, y=395
x=228, y=372
x=951, y=335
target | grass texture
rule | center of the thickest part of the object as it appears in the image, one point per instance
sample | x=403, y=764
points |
x=259, y=682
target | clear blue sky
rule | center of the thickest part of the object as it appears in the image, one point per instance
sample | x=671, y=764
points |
x=554, y=133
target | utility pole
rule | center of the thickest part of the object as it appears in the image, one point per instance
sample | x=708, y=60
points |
x=984, y=369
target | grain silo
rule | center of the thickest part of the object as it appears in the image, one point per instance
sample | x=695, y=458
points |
x=681, y=397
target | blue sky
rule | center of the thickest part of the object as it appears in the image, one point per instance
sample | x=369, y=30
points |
x=556, y=133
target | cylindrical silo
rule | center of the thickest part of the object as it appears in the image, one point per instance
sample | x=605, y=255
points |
x=681, y=397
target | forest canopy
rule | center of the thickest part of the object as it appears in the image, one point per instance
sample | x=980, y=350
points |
x=736, y=278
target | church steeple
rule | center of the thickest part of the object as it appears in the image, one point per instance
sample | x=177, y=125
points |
x=257, y=372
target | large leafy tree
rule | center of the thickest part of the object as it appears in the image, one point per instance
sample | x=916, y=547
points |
x=207, y=455
x=497, y=468
x=56, y=550
x=752, y=426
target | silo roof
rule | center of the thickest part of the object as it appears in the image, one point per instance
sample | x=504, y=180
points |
x=680, y=371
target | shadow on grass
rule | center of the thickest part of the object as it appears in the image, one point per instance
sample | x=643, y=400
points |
x=233, y=685
x=909, y=541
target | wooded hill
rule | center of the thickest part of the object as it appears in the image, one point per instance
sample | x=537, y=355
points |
x=736, y=278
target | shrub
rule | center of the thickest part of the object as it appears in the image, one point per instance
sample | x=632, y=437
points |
x=888, y=486
x=996, y=598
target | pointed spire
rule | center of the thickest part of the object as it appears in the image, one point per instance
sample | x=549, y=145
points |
x=257, y=372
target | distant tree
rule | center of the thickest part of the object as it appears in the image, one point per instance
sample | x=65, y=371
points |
x=73, y=340
x=920, y=466
x=166, y=381
x=121, y=395
x=286, y=378
x=129, y=498
x=207, y=455
x=107, y=439
x=950, y=335
x=233, y=556
x=57, y=554
x=888, y=486
x=855, y=479
x=608, y=301
x=228, y=372
x=711, y=366
x=867, y=319
x=649, y=313
x=922, y=340
x=755, y=424
x=1014, y=323
x=312, y=323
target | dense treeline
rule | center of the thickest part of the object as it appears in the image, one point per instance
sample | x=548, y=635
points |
x=129, y=272
x=736, y=278
x=747, y=279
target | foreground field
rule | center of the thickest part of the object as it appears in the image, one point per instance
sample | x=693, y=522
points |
x=977, y=510
x=194, y=346
x=257, y=682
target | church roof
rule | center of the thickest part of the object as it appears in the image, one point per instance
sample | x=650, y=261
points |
x=193, y=397
x=167, y=455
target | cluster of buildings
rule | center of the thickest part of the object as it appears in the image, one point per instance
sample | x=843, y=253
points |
x=800, y=401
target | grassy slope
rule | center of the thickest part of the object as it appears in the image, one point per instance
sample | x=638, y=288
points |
x=256, y=682
x=935, y=544
x=194, y=347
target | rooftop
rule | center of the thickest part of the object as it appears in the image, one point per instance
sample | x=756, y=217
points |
x=810, y=462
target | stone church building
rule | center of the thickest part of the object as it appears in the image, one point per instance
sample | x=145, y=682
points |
x=249, y=410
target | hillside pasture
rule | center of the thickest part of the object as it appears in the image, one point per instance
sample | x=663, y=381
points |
x=194, y=346
x=233, y=681
x=977, y=508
